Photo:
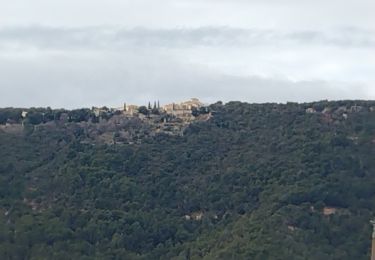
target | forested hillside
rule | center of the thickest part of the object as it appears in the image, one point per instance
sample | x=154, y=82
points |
x=255, y=181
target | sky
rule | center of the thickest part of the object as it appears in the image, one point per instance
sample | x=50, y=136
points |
x=83, y=53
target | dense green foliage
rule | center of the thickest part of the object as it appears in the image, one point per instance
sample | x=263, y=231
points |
x=36, y=116
x=253, y=182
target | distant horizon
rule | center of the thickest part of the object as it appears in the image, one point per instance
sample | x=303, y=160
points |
x=82, y=53
x=178, y=101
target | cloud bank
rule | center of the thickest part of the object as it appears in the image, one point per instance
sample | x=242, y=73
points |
x=89, y=52
x=114, y=37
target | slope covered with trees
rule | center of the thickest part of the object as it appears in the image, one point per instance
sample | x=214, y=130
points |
x=256, y=181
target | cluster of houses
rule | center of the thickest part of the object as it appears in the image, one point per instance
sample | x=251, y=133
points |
x=183, y=110
x=180, y=110
x=171, y=118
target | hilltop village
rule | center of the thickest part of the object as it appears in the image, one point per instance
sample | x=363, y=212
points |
x=132, y=122
x=128, y=124
x=186, y=111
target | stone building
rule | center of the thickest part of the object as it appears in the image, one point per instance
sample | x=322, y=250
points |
x=130, y=110
x=187, y=105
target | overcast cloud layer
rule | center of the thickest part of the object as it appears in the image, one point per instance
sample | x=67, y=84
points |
x=83, y=53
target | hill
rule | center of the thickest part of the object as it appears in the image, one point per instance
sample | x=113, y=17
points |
x=254, y=181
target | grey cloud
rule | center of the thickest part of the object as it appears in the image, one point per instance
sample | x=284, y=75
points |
x=111, y=65
x=213, y=49
x=119, y=38
x=82, y=82
x=345, y=37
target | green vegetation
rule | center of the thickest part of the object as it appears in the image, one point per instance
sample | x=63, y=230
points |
x=36, y=116
x=256, y=181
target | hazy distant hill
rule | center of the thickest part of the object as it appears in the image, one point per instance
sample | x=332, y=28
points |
x=255, y=181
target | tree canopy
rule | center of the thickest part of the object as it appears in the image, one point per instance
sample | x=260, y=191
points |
x=255, y=181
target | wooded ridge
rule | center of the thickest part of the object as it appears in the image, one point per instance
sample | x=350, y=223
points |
x=252, y=181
